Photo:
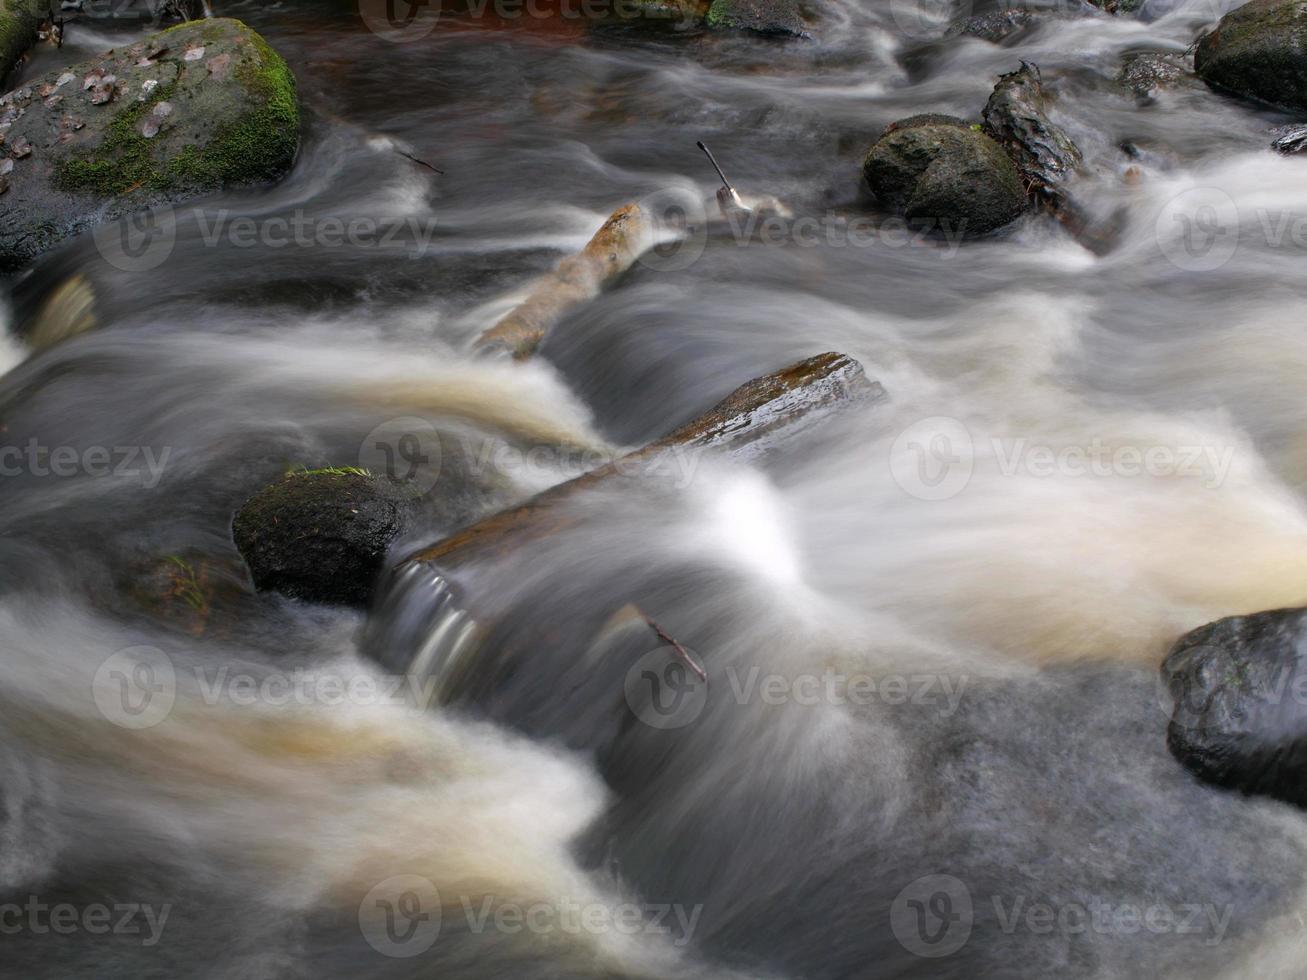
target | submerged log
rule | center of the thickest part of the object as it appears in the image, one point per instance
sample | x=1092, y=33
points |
x=422, y=624
x=752, y=421
x=612, y=250
x=1016, y=117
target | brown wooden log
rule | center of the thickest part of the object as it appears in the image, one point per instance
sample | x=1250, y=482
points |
x=747, y=424
x=578, y=278
x=423, y=624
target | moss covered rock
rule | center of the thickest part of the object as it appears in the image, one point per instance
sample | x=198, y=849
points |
x=1259, y=51
x=183, y=112
x=19, y=20
x=939, y=169
x=776, y=18
x=322, y=535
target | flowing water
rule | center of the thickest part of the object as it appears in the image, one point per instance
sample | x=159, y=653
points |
x=931, y=743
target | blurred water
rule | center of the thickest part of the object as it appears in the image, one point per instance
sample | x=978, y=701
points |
x=1021, y=604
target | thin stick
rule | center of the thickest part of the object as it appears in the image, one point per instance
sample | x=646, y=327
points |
x=712, y=159
x=423, y=163
x=681, y=652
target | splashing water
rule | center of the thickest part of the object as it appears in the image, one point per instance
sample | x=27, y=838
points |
x=931, y=632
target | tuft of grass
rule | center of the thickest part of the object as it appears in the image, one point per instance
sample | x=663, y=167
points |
x=328, y=471
x=187, y=585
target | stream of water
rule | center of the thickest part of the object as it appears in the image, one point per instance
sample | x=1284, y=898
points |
x=932, y=744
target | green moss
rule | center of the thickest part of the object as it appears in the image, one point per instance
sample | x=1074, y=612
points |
x=125, y=159
x=260, y=145
x=19, y=20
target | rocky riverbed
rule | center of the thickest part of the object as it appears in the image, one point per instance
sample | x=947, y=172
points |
x=649, y=489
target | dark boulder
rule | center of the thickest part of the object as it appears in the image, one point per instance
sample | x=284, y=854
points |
x=1259, y=51
x=939, y=169
x=774, y=18
x=1238, y=693
x=178, y=114
x=322, y=535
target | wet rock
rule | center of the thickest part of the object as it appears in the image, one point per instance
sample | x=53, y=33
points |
x=1146, y=72
x=1291, y=139
x=997, y=26
x=942, y=169
x=1016, y=116
x=1258, y=51
x=322, y=535
x=20, y=22
x=679, y=14
x=1239, y=689
x=142, y=125
x=1118, y=6
x=774, y=18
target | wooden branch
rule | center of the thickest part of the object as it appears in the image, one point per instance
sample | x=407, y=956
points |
x=578, y=278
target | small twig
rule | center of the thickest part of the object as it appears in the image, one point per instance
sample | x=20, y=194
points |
x=713, y=160
x=681, y=652
x=423, y=163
